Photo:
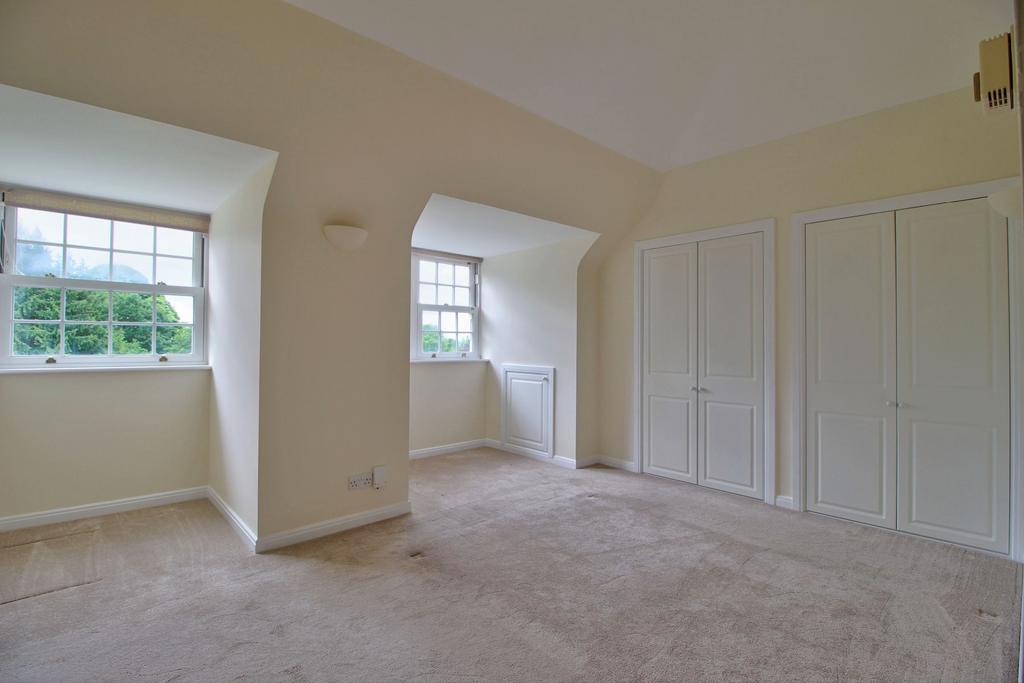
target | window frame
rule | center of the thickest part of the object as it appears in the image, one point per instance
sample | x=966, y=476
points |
x=416, y=316
x=10, y=279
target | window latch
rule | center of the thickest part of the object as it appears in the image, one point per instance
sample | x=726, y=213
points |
x=163, y=359
x=51, y=360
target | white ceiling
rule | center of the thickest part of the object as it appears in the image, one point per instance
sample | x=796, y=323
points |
x=55, y=144
x=669, y=82
x=470, y=229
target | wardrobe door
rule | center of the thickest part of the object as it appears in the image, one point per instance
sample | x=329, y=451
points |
x=954, y=443
x=851, y=369
x=669, y=410
x=730, y=408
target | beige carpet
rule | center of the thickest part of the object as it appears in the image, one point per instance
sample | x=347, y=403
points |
x=509, y=569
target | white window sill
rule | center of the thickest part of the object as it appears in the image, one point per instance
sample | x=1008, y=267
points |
x=33, y=370
x=448, y=360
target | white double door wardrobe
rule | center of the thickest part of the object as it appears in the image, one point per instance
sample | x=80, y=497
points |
x=702, y=357
x=907, y=374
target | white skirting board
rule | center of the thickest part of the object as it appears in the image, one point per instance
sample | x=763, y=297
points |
x=785, y=502
x=559, y=460
x=108, y=507
x=247, y=534
x=567, y=463
x=259, y=545
x=331, y=526
x=448, y=448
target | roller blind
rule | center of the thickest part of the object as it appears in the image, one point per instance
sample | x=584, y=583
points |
x=101, y=208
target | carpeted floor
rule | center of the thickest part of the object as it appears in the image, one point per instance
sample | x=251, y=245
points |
x=508, y=569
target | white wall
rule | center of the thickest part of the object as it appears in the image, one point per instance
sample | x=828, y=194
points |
x=233, y=325
x=446, y=403
x=939, y=142
x=80, y=437
x=528, y=315
x=365, y=136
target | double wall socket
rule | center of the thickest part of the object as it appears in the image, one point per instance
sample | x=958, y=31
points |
x=378, y=478
x=361, y=481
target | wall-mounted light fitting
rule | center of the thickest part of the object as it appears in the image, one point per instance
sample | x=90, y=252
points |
x=345, y=237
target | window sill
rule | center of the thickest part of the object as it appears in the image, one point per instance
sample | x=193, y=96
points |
x=99, y=368
x=428, y=361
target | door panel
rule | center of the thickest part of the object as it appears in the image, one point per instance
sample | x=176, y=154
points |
x=851, y=368
x=731, y=433
x=669, y=419
x=730, y=402
x=526, y=411
x=954, y=373
x=669, y=362
x=851, y=467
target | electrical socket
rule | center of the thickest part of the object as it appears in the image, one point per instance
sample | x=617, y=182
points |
x=361, y=481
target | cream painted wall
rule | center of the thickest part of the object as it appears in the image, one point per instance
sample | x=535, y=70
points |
x=233, y=330
x=528, y=311
x=365, y=135
x=57, y=447
x=940, y=142
x=446, y=403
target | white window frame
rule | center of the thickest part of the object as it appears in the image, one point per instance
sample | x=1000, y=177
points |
x=417, y=309
x=9, y=280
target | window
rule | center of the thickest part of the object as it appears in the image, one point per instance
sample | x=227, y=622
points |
x=445, y=307
x=80, y=290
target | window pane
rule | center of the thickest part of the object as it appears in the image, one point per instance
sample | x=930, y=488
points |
x=465, y=322
x=132, y=307
x=429, y=331
x=428, y=294
x=176, y=339
x=430, y=342
x=132, y=339
x=133, y=237
x=448, y=321
x=444, y=296
x=428, y=271
x=40, y=226
x=445, y=273
x=88, y=264
x=35, y=339
x=174, y=271
x=174, y=309
x=465, y=343
x=447, y=343
x=174, y=242
x=85, y=304
x=85, y=340
x=132, y=268
x=462, y=296
x=462, y=276
x=39, y=259
x=89, y=232
x=36, y=303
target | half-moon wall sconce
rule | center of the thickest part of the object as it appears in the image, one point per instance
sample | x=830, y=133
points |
x=345, y=237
